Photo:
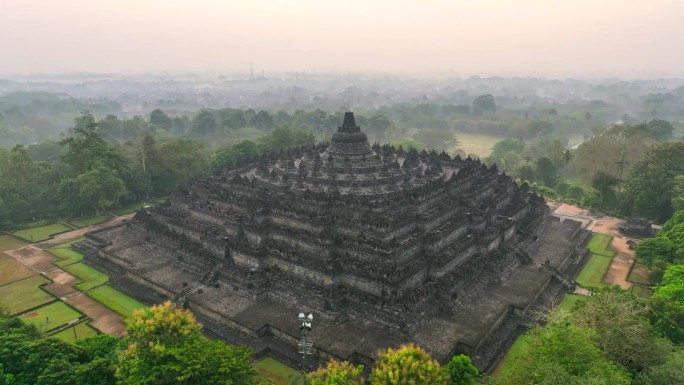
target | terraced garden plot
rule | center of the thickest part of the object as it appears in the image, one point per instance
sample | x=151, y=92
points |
x=90, y=278
x=116, y=300
x=600, y=244
x=83, y=222
x=11, y=270
x=277, y=372
x=51, y=316
x=83, y=330
x=66, y=255
x=138, y=206
x=594, y=270
x=20, y=296
x=8, y=242
x=642, y=291
x=37, y=234
x=639, y=274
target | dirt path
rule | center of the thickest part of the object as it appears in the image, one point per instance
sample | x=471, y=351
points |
x=36, y=258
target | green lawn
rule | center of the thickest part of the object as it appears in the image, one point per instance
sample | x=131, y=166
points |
x=481, y=145
x=82, y=330
x=65, y=254
x=26, y=294
x=116, y=300
x=11, y=270
x=51, y=316
x=593, y=272
x=37, y=234
x=136, y=207
x=569, y=300
x=8, y=242
x=642, y=291
x=518, y=348
x=90, y=278
x=639, y=274
x=83, y=222
x=276, y=371
x=600, y=244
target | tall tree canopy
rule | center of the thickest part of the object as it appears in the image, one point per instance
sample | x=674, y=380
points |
x=650, y=186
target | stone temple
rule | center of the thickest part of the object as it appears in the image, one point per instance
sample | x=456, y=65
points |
x=384, y=246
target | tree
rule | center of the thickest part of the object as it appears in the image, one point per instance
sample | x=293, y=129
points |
x=562, y=353
x=204, y=122
x=484, y=103
x=604, y=183
x=230, y=156
x=408, y=364
x=337, y=373
x=667, y=304
x=669, y=372
x=657, y=128
x=180, y=161
x=165, y=346
x=678, y=193
x=547, y=171
x=100, y=188
x=438, y=140
x=160, y=119
x=622, y=330
x=650, y=186
x=285, y=137
x=461, y=370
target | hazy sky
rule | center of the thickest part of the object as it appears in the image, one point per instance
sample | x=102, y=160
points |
x=527, y=37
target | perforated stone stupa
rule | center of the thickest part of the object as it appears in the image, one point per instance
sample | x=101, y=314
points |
x=383, y=245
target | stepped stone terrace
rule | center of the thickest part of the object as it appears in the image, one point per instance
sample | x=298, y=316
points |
x=384, y=246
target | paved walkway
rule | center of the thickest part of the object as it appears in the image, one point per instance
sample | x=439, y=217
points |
x=36, y=258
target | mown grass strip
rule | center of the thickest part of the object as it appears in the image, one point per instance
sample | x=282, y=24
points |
x=78, y=331
x=594, y=270
x=38, y=234
x=116, y=300
x=276, y=371
x=90, y=278
x=17, y=297
x=51, y=316
x=8, y=242
x=83, y=222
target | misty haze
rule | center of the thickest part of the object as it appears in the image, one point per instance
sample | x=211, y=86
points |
x=342, y=193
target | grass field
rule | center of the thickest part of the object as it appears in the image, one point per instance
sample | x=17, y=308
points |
x=26, y=294
x=11, y=270
x=37, y=234
x=276, y=371
x=639, y=274
x=116, y=300
x=65, y=254
x=569, y=300
x=136, y=207
x=600, y=244
x=8, y=242
x=51, y=316
x=82, y=330
x=594, y=271
x=518, y=348
x=83, y=222
x=476, y=143
x=642, y=291
x=90, y=278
